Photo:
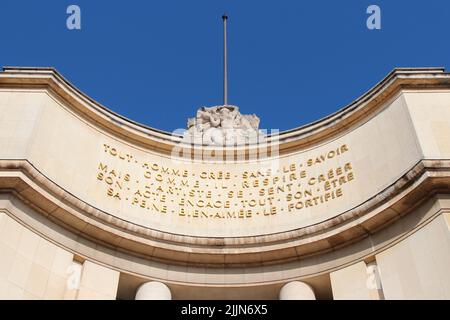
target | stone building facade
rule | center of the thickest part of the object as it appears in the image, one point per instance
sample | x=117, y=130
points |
x=95, y=206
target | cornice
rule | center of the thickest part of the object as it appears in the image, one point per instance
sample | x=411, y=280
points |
x=287, y=141
x=23, y=181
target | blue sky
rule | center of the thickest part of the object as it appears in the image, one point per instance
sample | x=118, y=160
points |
x=291, y=62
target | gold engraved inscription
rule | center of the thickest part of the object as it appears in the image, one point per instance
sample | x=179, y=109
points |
x=197, y=193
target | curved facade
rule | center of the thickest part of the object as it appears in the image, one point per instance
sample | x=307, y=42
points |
x=95, y=206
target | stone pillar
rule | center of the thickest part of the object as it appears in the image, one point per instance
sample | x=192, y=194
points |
x=98, y=282
x=297, y=290
x=359, y=281
x=74, y=271
x=153, y=291
x=374, y=281
x=447, y=219
x=350, y=283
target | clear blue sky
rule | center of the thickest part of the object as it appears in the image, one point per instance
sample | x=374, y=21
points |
x=291, y=62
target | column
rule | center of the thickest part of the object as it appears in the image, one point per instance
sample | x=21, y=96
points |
x=153, y=291
x=297, y=290
x=418, y=266
x=374, y=281
x=359, y=281
x=98, y=282
x=447, y=219
x=74, y=271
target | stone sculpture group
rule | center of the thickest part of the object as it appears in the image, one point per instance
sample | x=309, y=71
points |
x=223, y=125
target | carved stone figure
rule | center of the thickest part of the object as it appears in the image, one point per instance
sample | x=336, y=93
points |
x=223, y=125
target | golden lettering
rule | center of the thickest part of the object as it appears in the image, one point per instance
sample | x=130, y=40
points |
x=205, y=194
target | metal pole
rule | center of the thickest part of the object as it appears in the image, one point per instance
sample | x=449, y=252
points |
x=225, y=61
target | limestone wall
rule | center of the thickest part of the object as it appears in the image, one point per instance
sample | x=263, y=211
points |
x=30, y=266
x=232, y=200
x=360, y=194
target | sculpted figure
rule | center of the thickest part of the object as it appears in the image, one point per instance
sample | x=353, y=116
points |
x=222, y=125
x=208, y=116
x=227, y=118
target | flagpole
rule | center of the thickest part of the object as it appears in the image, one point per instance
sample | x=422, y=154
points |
x=225, y=61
